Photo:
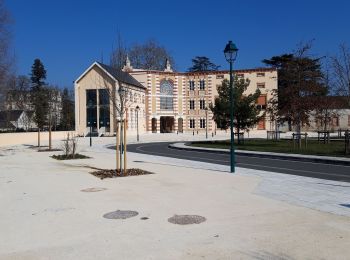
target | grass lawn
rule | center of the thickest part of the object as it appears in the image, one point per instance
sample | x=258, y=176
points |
x=334, y=148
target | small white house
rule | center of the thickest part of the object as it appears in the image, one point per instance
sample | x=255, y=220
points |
x=12, y=120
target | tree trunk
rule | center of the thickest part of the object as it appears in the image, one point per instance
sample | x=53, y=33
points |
x=117, y=143
x=50, y=141
x=38, y=136
x=125, y=147
x=299, y=134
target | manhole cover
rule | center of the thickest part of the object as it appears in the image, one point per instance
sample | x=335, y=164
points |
x=186, y=219
x=93, y=189
x=121, y=214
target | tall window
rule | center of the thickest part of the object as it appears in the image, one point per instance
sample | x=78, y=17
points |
x=166, y=95
x=104, y=107
x=91, y=111
x=202, y=123
x=202, y=84
x=192, y=123
x=191, y=104
x=191, y=85
x=202, y=104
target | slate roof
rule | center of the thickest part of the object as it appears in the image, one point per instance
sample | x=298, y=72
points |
x=121, y=76
x=10, y=115
x=6, y=125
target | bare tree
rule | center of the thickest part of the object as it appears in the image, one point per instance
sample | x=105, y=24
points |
x=18, y=94
x=149, y=55
x=6, y=61
x=119, y=53
x=119, y=97
x=341, y=71
x=326, y=106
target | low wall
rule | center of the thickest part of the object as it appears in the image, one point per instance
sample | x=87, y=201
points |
x=29, y=138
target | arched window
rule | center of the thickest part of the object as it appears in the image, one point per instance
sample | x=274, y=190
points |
x=166, y=94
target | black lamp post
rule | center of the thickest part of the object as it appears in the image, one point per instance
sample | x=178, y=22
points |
x=230, y=55
x=122, y=93
x=90, y=106
x=137, y=122
x=206, y=122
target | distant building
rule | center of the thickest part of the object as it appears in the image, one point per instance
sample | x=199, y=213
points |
x=21, y=101
x=169, y=101
x=335, y=114
x=14, y=120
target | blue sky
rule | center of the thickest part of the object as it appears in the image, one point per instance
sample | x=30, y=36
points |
x=69, y=35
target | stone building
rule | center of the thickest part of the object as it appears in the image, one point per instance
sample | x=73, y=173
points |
x=169, y=101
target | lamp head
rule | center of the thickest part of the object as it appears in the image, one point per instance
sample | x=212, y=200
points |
x=121, y=91
x=230, y=51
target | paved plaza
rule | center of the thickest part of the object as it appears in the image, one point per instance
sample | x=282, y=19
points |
x=55, y=209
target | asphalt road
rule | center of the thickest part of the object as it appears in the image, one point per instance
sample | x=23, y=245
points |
x=309, y=169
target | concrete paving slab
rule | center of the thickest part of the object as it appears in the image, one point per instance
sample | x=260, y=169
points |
x=45, y=215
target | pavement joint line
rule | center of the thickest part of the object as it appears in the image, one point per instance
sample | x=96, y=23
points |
x=282, y=168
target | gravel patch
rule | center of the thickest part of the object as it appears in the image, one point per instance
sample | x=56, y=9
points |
x=102, y=174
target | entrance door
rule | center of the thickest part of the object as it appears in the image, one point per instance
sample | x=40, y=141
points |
x=180, y=125
x=154, y=125
x=167, y=124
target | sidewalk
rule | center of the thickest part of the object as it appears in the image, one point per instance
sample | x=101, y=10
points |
x=249, y=215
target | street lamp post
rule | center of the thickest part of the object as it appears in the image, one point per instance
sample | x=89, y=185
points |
x=206, y=122
x=137, y=122
x=121, y=92
x=230, y=52
x=90, y=106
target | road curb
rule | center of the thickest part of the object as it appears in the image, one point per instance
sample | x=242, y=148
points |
x=294, y=157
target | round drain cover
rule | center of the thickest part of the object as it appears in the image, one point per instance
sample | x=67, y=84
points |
x=93, y=189
x=186, y=219
x=121, y=214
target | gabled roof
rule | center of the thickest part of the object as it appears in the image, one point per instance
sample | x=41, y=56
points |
x=121, y=75
x=10, y=115
x=115, y=74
